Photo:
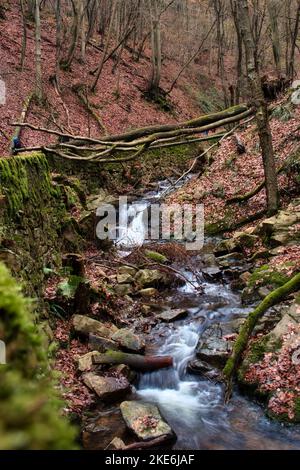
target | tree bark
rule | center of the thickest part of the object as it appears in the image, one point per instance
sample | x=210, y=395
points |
x=38, y=53
x=136, y=361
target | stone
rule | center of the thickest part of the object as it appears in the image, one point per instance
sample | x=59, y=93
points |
x=85, y=363
x=229, y=260
x=263, y=292
x=124, y=278
x=99, y=432
x=209, y=260
x=199, y=367
x=226, y=246
x=107, y=388
x=148, y=277
x=86, y=325
x=116, y=444
x=213, y=348
x=145, y=420
x=245, y=239
x=149, y=292
x=123, y=289
x=212, y=273
x=172, y=314
x=127, y=270
x=101, y=344
x=122, y=369
x=128, y=340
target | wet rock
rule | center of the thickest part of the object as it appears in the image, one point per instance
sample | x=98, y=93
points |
x=107, y=388
x=99, y=432
x=149, y=292
x=127, y=270
x=231, y=259
x=212, y=273
x=144, y=420
x=199, y=367
x=213, y=348
x=128, y=340
x=172, y=314
x=86, y=325
x=125, y=278
x=278, y=230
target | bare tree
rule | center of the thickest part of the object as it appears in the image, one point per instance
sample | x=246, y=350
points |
x=260, y=105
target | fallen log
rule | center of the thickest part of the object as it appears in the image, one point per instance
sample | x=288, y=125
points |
x=135, y=361
x=248, y=326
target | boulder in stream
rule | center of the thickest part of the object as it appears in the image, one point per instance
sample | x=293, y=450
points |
x=172, y=314
x=145, y=420
x=100, y=431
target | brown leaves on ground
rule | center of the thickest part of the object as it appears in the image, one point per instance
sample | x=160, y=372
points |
x=278, y=374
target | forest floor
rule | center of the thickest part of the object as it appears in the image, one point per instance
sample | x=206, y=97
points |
x=118, y=113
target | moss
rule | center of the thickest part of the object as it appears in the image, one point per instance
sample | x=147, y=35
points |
x=30, y=411
x=266, y=275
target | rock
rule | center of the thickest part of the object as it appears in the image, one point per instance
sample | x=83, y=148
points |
x=123, y=289
x=209, y=260
x=144, y=420
x=99, y=432
x=107, y=388
x=149, y=292
x=245, y=239
x=146, y=309
x=122, y=369
x=202, y=368
x=85, y=362
x=157, y=257
x=125, y=278
x=116, y=444
x=226, y=246
x=212, y=348
x=86, y=325
x=172, y=314
x=263, y=292
x=127, y=270
x=98, y=343
x=245, y=277
x=229, y=260
x=148, y=277
x=212, y=273
x=129, y=340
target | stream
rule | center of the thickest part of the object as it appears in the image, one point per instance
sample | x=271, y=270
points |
x=192, y=404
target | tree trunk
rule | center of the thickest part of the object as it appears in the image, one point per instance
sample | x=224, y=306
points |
x=274, y=9
x=156, y=47
x=260, y=106
x=136, y=361
x=38, y=53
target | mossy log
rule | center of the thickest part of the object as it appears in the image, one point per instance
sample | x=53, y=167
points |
x=247, y=328
x=107, y=149
x=136, y=361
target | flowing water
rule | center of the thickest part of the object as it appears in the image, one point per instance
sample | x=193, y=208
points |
x=192, y=404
